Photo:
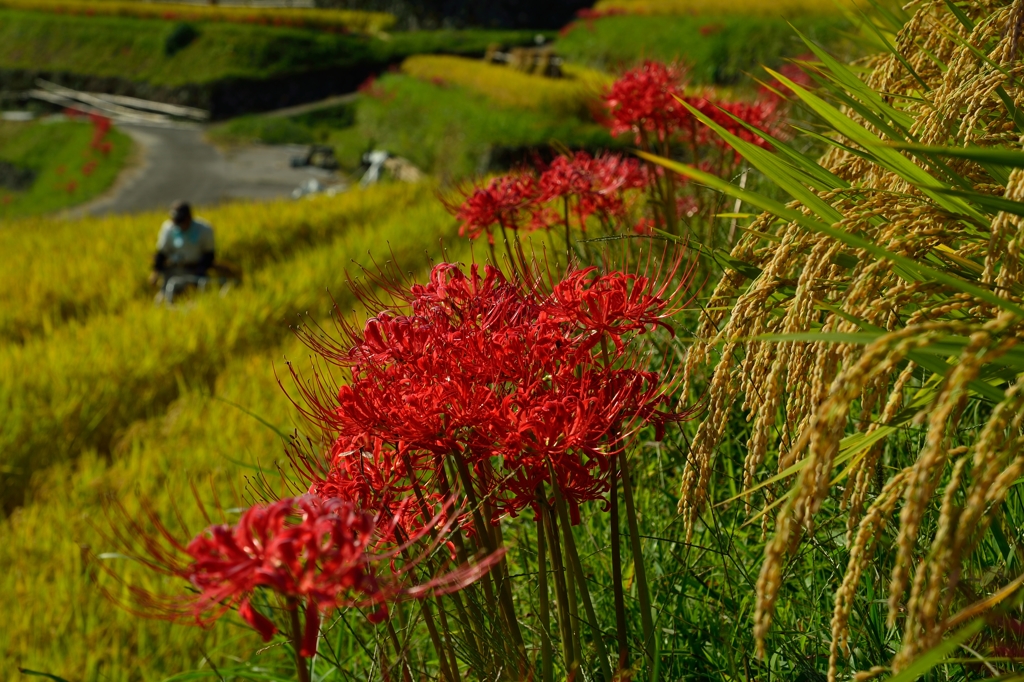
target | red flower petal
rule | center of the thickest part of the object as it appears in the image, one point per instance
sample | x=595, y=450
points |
x=257, y=620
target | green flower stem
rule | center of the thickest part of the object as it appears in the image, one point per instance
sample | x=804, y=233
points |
x=453, y=663
x=406, y=674
x=435, y=639
x=504, y=593
x=643, y=595
x=479, y=640
x=621, y=625
x=568, y=236
x=428, y=618
x=561, y=596
x=463, y=474
x=301, y=670
x=565, y=568
x=580, y=579
x=546, y=667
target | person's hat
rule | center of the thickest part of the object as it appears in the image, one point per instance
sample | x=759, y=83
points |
x=180, y=210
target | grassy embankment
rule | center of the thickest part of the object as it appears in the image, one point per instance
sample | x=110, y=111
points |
x=720, y=48
x=779, y=8
x=114, y=401
x=335, y=20
x=64, y=167
x=455, y=131
x=134, y=49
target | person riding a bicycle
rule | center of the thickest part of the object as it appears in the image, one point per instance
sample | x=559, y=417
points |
x=184, y=253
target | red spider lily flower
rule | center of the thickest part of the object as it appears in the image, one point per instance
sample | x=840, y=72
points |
x=645, y=100
x=592, y=184
x=504, y=201
x=612, y=304
x=644, y=227
x=589, y=13
x=496, y=376
x=368, y=83
x=304, y=548
x=318, y=554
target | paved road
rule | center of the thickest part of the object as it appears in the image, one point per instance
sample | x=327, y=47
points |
x=177, y=163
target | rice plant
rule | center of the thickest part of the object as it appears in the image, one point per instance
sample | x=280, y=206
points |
x=78, y=387
x=881, y=301
x=69, y=270
x=511, y=88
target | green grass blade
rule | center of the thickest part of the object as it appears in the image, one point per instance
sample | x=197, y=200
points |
x=944, y=346
x=1000, y=157
x=36, y=673
x=816, y=176
x=834, y=143
x=960, y=16
x=888, y=11
x=284, y=436
x=998, y=172
x=718, y=255
x=896, y=53
x=928, y=357
x=936, y=655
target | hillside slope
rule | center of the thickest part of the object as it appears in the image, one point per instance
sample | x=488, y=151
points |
x=228, y=68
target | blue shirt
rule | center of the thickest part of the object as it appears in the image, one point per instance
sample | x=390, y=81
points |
x=184, y=248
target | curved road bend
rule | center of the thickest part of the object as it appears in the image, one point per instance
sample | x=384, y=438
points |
x=178, y=163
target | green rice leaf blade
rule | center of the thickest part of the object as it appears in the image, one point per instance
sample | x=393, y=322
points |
x=936, y=655
x=888, y=157
x=925, y=272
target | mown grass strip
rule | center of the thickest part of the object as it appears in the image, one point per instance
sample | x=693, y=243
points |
x=135, y=51
x=64, y=167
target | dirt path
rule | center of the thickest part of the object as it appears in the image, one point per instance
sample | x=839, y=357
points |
x=178, y=163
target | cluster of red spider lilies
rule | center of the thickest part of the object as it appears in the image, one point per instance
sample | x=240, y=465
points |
x=469, y=401
x=652, y=105
x=99, y=144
